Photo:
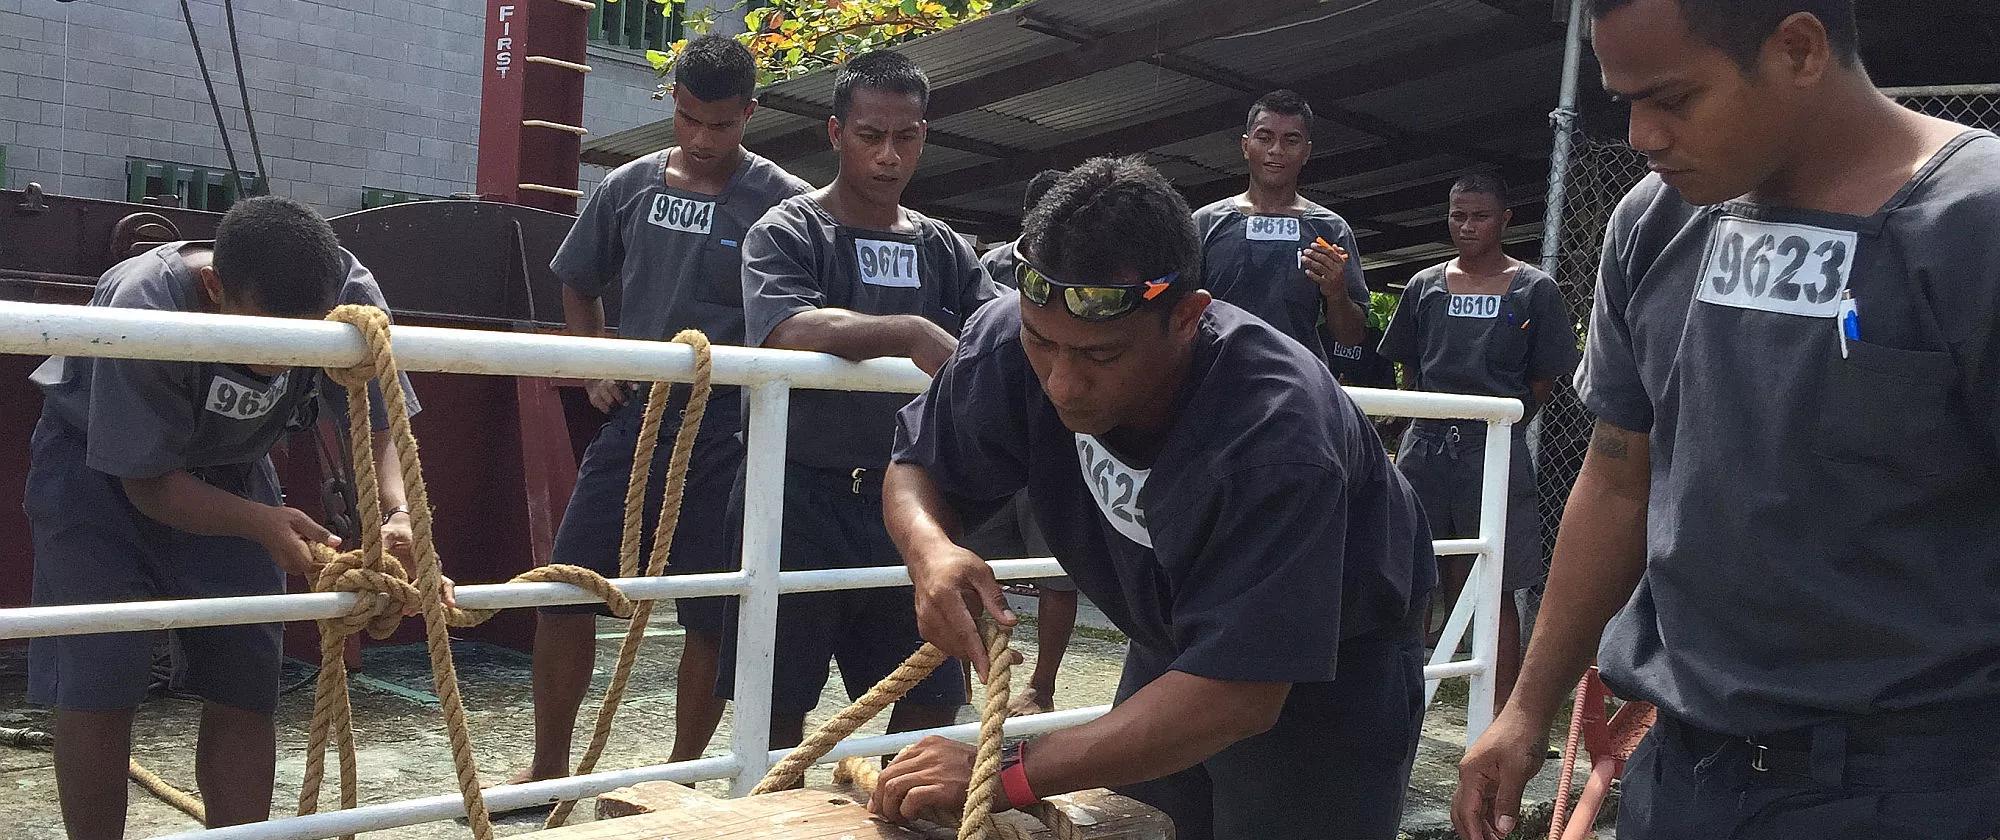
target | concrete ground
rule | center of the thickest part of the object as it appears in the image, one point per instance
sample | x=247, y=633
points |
x=403, y=749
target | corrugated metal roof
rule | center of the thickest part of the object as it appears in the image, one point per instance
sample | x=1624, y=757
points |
x=1425, y=90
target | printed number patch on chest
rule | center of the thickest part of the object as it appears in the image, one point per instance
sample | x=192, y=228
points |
x=1271, y=229
x=1777, y=267
x=682, y=214
x=239, y=401
x=890, y=263
x=1115, y=487
x=1473, y=306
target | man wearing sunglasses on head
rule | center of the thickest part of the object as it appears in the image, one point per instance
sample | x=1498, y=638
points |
x=1206, y=484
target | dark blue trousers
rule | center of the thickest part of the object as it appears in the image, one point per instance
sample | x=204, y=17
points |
x=1832, y=782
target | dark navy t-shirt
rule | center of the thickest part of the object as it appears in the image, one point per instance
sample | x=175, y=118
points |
x=143, y=418
x=1269, y=528
x=1820, y=534
x=1253, y=262
x=798, y=258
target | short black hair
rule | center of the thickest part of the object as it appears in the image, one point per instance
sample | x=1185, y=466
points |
x=1038, y=187
x=1111, y=214
x=1482, y=182
x=279, y=255
x=716, y=67
x=1284, y=102
x=879, y=70
x=1740, y=27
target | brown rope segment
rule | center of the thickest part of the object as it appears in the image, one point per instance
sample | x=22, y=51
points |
x=977, y=822
x=1559, y=818
x=386, y=592
x=663, y=535
x=186, y=803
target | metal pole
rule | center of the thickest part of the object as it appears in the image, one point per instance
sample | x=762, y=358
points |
x=1564, y=120
x=1485, y=581
x=757, y=614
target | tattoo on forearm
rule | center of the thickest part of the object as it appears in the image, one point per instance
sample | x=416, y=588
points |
x=1610, y=444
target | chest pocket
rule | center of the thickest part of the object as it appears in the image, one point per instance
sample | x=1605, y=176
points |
x=1892, y=413
x=722, y=270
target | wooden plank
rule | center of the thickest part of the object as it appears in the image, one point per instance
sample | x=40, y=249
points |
x=821, y=814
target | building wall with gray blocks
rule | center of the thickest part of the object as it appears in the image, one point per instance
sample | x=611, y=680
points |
x=346, y=94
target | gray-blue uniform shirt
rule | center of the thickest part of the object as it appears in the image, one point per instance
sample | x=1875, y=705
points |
x=675, y=255
x=144, y=419
x=797, y=258
x=1490, y=345
x=1820, y=538
x=1253, y=262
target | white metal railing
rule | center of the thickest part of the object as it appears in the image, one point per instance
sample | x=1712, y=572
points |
x=769, y=376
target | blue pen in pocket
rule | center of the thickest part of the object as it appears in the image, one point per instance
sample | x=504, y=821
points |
x=1848, y=322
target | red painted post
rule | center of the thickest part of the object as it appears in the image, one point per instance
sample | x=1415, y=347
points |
x=518, y=86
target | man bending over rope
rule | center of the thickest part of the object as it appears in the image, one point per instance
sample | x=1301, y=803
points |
x=154, y=480
x=1206, y=484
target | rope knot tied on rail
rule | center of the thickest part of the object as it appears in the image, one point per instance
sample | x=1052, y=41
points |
x=386, y=589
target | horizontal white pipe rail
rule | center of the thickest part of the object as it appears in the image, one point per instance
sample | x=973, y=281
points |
x=78, y=619
x=406, y=812
x=64, y=330
x=48, y=329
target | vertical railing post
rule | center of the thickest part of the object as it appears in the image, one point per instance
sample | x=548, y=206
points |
x=757, y=613
x=1485, y=582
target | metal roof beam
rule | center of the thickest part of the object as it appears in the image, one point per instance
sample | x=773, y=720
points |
x=1193, y=23
x=1488, y=43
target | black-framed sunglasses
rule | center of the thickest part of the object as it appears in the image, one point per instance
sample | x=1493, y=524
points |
x=1087, y=301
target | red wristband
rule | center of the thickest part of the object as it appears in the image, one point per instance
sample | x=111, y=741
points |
x=1014, y=782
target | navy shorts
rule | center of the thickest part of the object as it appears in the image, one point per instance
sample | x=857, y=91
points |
x=1335, y=767
x=1836, y=783
x=1445, y=468
x=92, y=546
x=706, y=538
x=868, y=631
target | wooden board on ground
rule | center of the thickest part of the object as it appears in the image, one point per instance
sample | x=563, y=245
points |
x=666, y=811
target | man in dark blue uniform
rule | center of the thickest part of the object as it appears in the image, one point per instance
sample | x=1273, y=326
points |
x=1279, y=255
x=847, y=270
x=1207, y=485
x=1487, y=324
x=1783, y=532
x=151, y=479
x=666, y=230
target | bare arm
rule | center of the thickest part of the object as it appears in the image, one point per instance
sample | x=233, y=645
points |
x=952, y=584
x=1175, y=722
x=1345, y=321
x=582, y=314
x=185, y=503
x=1543, y=391
x=856, y=337
x=1600, y=556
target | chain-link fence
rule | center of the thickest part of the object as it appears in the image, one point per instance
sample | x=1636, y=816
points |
x=1600, y=172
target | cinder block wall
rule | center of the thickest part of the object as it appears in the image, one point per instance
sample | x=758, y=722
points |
x=347, y=94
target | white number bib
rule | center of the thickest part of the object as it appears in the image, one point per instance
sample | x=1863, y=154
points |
x=1777, y=267
x=1115, y=487
x=231, y=399
x=1473, y=306
x=682, y=214
x=1271, y=229
x=887, y=263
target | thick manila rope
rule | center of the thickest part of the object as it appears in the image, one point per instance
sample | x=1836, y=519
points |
x=385, y=592
x=976, y=822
